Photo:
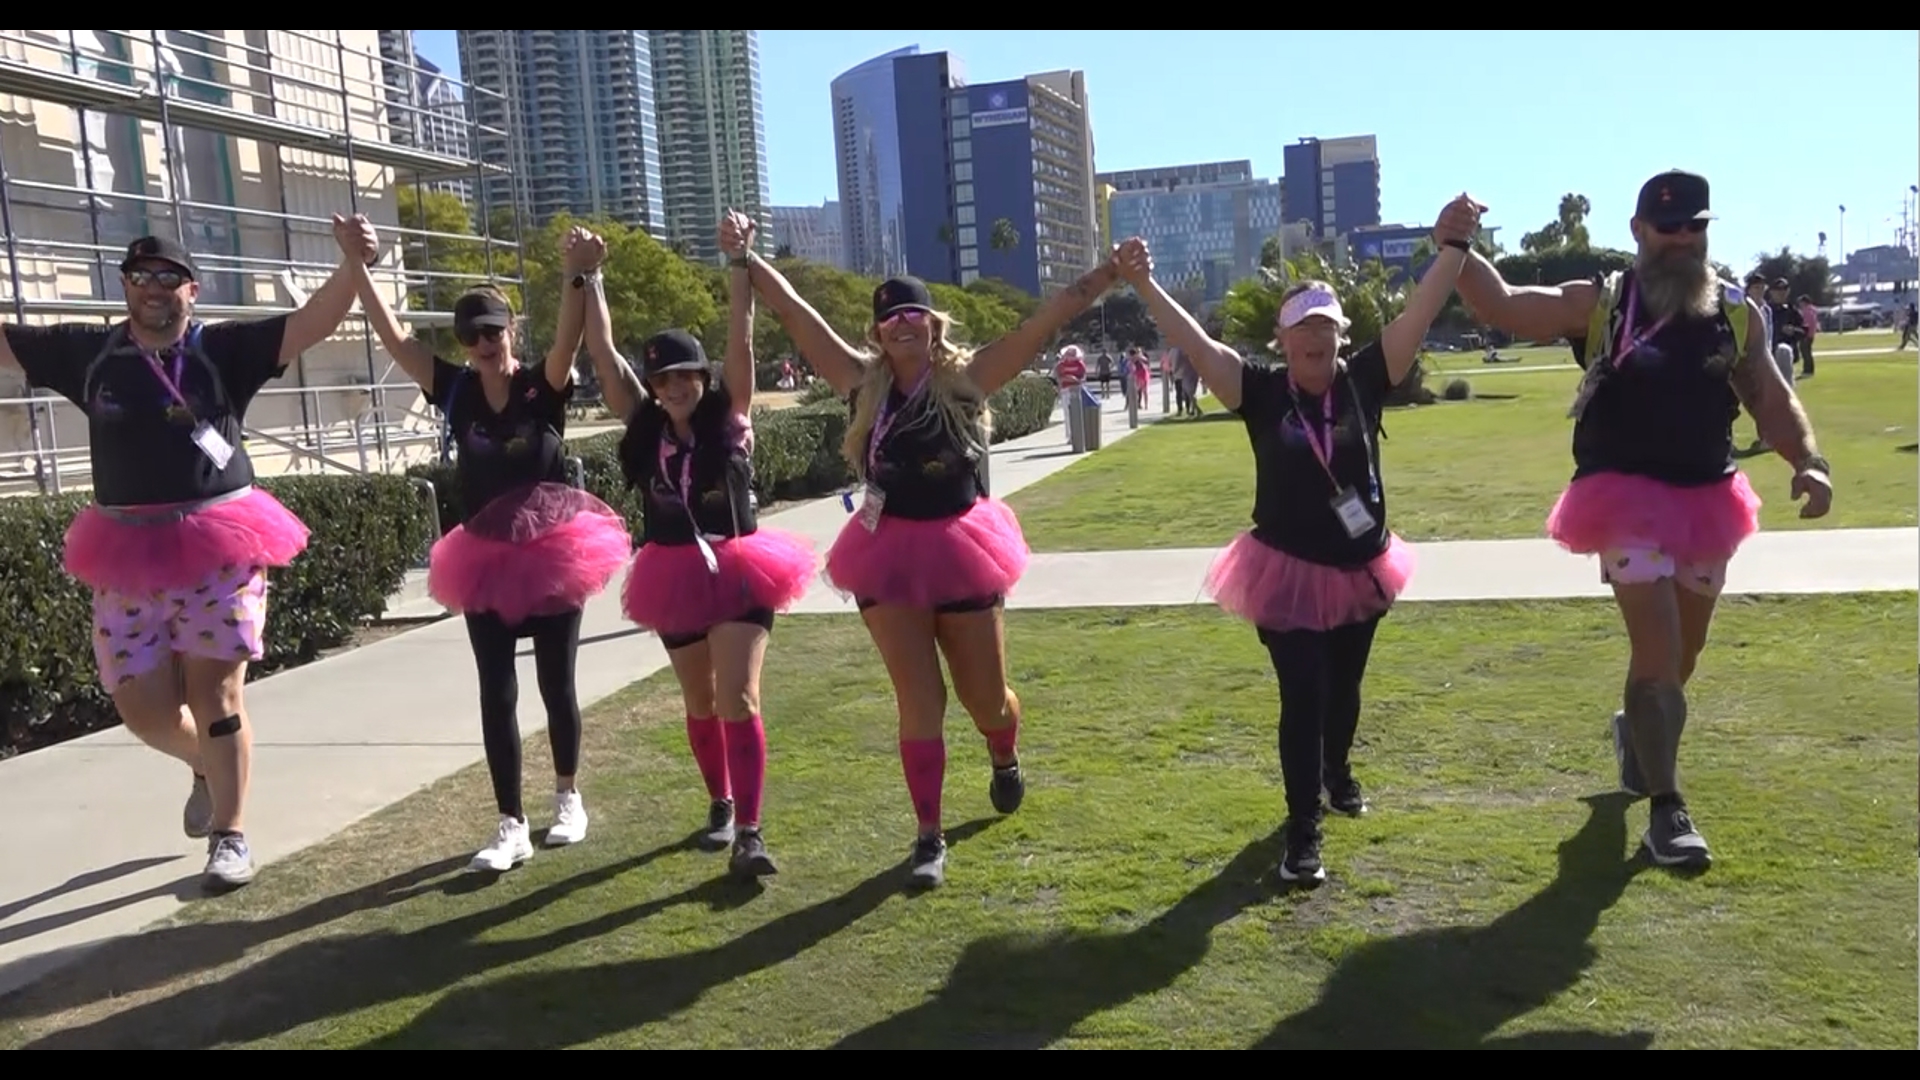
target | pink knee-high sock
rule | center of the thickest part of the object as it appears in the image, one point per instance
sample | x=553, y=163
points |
x=925, y=762
x=1004, y=744
x=709, y=742
x=747, y=766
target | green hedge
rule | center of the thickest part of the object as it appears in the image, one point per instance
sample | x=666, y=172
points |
x=796, y=452
x=366, y=532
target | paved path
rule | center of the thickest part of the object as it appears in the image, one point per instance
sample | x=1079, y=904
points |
x=95, y=850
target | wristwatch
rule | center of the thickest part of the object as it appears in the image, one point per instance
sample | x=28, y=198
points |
x=580, y=280
x=1814, y=463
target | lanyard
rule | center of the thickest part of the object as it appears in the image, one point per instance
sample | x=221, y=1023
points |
x=686, y=468
x=171, y=382
x=1633, y=309
x=884, y=422
x=1321, y=451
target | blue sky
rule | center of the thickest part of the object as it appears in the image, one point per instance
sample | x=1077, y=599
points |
x=1788, y=125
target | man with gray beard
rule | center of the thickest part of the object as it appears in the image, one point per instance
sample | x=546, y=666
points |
x=1669, y=350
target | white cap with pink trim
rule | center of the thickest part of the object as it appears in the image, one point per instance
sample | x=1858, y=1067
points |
x=1316, y=299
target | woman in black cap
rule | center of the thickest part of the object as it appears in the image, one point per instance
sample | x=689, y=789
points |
x=533, y=548
x=929, y=556
x=708, y=579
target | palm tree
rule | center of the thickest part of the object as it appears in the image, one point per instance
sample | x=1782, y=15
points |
x=1003, y=236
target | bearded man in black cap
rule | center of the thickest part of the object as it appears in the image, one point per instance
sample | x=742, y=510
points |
x=1669, y=350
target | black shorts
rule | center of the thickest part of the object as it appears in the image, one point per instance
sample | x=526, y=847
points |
x=954, y=607
x=760, y=617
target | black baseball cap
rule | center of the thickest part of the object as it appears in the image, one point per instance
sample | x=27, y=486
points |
x=1674, y=198
x=158, y=249
x=1782, y=283
x=672, y=350
x=480, y=311
x=900, y=294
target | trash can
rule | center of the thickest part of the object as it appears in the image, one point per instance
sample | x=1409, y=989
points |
x=1086, y=411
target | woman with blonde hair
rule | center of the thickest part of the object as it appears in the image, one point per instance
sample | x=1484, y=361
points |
x=929, y=555
x=708, y=578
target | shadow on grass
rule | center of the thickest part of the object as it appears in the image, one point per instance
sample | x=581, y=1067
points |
x=553, y=1009
x=1026, y=992
x=1453, y=988
x=1910, y=448
x=323, y=977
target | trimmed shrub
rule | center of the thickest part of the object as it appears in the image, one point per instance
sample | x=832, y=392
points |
x=366, y=532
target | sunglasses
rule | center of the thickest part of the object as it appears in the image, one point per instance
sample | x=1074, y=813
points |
x=166, y=279
x=1685, y=226
x=471, y=337
x=912, y=315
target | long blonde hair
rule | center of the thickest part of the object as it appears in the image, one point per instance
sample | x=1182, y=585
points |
x=962, y=409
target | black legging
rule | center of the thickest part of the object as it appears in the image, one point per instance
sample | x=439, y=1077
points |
x=556, y=642
x=1320, y=674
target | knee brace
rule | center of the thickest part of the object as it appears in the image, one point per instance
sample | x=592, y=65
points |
x=223, y=727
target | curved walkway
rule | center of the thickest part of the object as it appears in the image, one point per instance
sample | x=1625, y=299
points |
x=95, y=850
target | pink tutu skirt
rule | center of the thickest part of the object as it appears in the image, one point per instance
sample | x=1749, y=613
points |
x=670, y=590
x=1276, y=591
x=1690, y=524
x=925, y=564
x=154, y=549
x=541, y=550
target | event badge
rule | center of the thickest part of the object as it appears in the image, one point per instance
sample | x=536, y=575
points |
x=212, y=444
x=1353, y=513
x=706, y=552
x=871, y=504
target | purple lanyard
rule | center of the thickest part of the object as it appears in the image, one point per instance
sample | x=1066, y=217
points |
x=686, y=469
x=171, y=382
x=1322, y=451
x=884, y=422
x=1633, y=309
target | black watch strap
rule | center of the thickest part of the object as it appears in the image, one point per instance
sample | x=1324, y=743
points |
x=1815, y=463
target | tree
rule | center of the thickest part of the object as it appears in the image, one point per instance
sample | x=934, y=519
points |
x=648, y=287
x=981, y=318
x=1567, y=230
x=1022, y=303
x=783, y=251
x=1811, y=277
x=1121, y=318
x=1003, y=236
x=439, y=269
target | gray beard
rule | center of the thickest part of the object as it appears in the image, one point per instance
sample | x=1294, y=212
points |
x=1677, y=285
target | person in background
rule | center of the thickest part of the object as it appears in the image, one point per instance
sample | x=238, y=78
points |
x=1756, y=288
x=1906, y=319
x=1810, y=319
x=1187, y=378
x=1070, y=373
x=1104, y=365
x=177, y=544
x=534, y=548
x=1788, y=328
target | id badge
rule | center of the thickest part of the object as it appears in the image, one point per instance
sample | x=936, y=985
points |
x=213, y=444
x=871, y=504
x=1353, y=513
x=706, y=552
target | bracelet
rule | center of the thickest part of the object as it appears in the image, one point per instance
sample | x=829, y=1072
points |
x=1814, y=463
x=1461, y=244
x=739, y=260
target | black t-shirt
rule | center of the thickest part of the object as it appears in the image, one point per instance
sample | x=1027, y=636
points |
x=1666, y=412
x=924, y=471
x=712, y=477
x=523, y=444
x=1293, y=494
x=141, y=437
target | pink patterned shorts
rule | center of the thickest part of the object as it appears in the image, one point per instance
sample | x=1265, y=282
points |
x=1646, y=565
x=223, y=619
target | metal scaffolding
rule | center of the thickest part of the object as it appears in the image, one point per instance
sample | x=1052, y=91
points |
x=267, y=108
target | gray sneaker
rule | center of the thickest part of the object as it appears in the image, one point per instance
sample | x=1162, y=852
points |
x=1672, y=840
x=927, y=867
x=197, y=818
x=1631, y=781
x=229, y=862
x=718, y=835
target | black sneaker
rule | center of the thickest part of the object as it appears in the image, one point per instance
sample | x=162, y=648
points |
x=1008, y=789
x=1344, y=795
x=1671, y=839
x=928, y=866
x=750, y=858
x=1302, y=860
x=1631, y=781
x=719, y=834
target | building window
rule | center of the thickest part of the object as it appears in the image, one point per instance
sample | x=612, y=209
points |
x=968, y=277
x=963, y=170
x=964, y=214
x=963, y=193
x=962, y=127
x=969, y=236
x=969, y=257
x=963, y=150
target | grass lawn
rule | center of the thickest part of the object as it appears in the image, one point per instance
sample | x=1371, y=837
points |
x=1484, y=469
x=1525, y=356
x=1492, y=898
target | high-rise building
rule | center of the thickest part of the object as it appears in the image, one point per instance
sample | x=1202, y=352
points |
x=425, y=108
x=1205, y=223
x=1332, y=184
x=574, y=123
x=952, y=182
x=809, y=232
x=713, y=135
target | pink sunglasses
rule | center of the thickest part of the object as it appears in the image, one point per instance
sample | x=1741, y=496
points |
x=912, y=315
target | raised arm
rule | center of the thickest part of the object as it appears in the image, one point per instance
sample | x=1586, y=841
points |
x=836, y=361
x=1533, y=312
x=1010, y=353
x=1401, y=339
x=736, y=239
x=326, y=308
x=412, y=354
x=571, y=321
x=1218, y=366
x=619, y=386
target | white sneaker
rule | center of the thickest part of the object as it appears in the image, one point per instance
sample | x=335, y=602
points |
x=569, y=820
x=509, y=849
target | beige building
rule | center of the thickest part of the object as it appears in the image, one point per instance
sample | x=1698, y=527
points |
x=243, y=143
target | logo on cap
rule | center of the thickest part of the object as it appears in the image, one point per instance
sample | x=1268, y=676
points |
x=1666, y=194
x=653, y=352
